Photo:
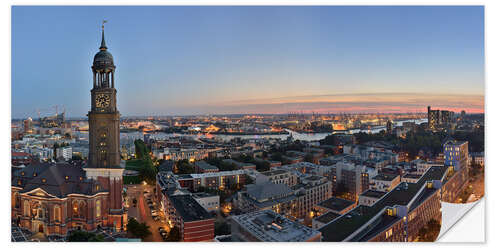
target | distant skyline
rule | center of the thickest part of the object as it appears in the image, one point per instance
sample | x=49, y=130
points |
x=174, y=60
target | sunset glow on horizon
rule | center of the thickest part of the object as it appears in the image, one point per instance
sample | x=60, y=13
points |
x=173, y=60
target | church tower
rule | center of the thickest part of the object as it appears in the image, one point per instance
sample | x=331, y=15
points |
x=104, y=135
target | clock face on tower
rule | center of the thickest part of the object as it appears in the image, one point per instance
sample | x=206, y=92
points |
x=102, y=100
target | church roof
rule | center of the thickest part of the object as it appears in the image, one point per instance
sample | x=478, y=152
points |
x=58, y=179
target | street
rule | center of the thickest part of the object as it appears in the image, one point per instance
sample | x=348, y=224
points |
x=142, y=213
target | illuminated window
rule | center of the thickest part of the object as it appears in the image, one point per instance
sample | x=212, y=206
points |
x=66, y=177
x=81, y=178
x=98, y=208
x=57, y=213
x=26, y=208
x=44, y=180
x=388, y=233
x=19, y=182
x=22, y=173
x=75, y=208
x=34, y=174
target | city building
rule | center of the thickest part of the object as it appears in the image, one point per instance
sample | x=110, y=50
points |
x=438, y=119
x=397, y=215
x=476, y=158
x=193, y=221
x=385, y=182
x=370, y=197
x=210, y=202
x=354, y=179
x=203, y=167
x=279, y=176
x=456, y=154
x=28, y=126
x=268, y=226
x=65, y=153
x=21, y=158
x=311, y=190
x=239, y=165
x=216, y=180
x=267, y=196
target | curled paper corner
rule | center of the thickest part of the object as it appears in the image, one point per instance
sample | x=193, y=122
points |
x=453, y=213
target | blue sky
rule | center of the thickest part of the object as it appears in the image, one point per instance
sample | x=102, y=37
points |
x=198, y=60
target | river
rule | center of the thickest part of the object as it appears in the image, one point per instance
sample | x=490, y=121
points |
x=131, y=136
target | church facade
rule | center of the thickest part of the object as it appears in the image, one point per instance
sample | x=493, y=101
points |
x=55, y=198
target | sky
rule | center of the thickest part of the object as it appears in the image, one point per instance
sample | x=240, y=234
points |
x=174, y=60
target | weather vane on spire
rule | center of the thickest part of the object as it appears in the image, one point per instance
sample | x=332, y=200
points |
x=103, y=22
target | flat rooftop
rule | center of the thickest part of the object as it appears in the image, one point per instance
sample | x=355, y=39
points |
x=385, y=177
x=274, y=172
x=336, y=204
x=269, y=226
x=373, y=193
x=327, y=217
x=188, y=208
x=412, y=176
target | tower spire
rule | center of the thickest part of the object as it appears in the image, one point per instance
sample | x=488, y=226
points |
x=103, y=43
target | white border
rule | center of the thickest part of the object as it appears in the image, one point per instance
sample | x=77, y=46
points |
x=492, y=27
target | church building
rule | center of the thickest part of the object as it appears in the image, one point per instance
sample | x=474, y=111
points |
x=54, y=198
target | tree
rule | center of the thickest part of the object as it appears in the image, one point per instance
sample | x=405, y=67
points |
x=139, y=230
x=82, y=236
x=140, y=149
x=184, y=167
x=174, y=235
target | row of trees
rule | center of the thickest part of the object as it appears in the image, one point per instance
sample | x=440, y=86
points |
x=144, y=163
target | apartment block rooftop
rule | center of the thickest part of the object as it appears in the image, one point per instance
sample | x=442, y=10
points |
x=269, y=226
x=327, y=217
x=188, y=208
x=385, y=177
x=373, y=193
x=336, y=204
